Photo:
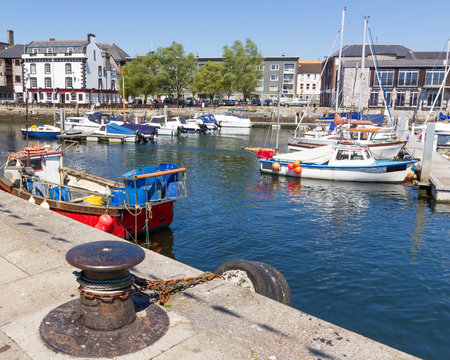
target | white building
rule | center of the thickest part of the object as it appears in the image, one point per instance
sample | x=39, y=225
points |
x=70, y=72
x=308, y=82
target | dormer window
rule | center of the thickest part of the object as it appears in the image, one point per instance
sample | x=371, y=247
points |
x=35, y=51
x=70, y=50
x=49, y=50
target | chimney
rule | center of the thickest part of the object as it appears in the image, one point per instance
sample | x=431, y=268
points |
x=52, y=39
x=91, y=37
x=282, y=54
x=10, y=34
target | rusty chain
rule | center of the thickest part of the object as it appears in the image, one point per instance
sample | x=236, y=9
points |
x=161, y=287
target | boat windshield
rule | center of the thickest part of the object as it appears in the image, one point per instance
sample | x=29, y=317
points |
x=157, y=120
x=182, y=120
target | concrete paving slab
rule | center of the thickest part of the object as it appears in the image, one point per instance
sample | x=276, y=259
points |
x=9, y=349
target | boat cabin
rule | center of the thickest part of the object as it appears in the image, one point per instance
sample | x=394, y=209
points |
x=344, y=155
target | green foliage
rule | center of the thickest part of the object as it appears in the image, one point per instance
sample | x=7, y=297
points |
x=177, y=69
x=242, y=67
x=209, y=80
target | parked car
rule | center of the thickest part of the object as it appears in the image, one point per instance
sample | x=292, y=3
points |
x=256, y=102
x=297, y=102
x=218, y=102
x=243, y=102
x=270, y=102
x=284, y=101
x=230, y=102
x=190, y=101
x=205, y=102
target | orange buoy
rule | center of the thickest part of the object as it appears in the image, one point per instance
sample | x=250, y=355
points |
x=276, y=166
x=296, y=163
x=298, y=170
x=290, y=166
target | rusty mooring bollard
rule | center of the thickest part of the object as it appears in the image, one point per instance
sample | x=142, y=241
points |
x=103, y=321
x=105, y=274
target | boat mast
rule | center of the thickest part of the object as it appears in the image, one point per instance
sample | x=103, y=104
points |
x=363, y=63
x=123, y=97
x=278, y=107
x=338, y=82
x=446, y=66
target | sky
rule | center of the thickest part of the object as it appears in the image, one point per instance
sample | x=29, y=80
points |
x=306, y=29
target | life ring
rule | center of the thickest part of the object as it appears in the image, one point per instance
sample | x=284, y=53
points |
x=265, y=279
x=33, y=128
x=34, y=148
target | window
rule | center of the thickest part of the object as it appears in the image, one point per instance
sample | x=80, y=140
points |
x=35, y=51
x=33, y=83
x=314, y=86
x=273, y=88
x=17, y=78
x=100, y=84
x=113, y=85
x=68, y=68
x=414, y=98
x=386, y=76
x=95, y=56
x=17, y=62
x=342, y=155
x=49, y=50
x=400, y=100
x=307, y=86
x=41, y=96
x=431, y=96
x=301, y=86
x=288, y=86
x=408, y=77
x=289, y=68
x=69, y=82
x=373, y=99
x=99, y=71
x=70, y=50
x=49, y=96
x=80, y=97
x=356, y=155
x=288, y=78
x=32, y=68
x=434, y=77
x=273, y=77
x=47, y=69
x=388, y=97
x=48, y=83
x=73, y=96
x=274, y=67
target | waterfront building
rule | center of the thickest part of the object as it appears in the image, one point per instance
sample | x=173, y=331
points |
x=308, y=81
x=410, y=79
x=72, y=72
x=10, y=70
x=279, y=73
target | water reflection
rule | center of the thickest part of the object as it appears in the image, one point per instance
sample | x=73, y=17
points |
x=160, y=241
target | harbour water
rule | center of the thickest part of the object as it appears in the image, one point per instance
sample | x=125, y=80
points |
x=371, y=258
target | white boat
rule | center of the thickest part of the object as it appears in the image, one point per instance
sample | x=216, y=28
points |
x=208, y=120
x=382, y=145
x=172, y=126
x=88, y=123
x=228, y=119
x=339, y=163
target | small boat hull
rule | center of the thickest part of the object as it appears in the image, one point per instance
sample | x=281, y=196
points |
x=381, y=171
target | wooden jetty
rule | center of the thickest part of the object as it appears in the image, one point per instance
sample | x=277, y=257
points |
x=90, y=137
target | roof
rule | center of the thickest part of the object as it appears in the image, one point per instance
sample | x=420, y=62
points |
x=400, y=63
x=14, y=52
x=423, y=55
x=398, y=51
x=116, y=52
x=58, y=43
x=310, y=67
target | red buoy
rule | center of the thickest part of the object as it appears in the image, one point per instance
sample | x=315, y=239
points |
x=290, y=166
x=105, y=223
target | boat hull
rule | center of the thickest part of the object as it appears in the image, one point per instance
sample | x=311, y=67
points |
x=395, y=173
x=126, y=222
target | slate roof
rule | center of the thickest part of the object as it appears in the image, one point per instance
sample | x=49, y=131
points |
x=400, y=63
x=426, y=55
x=399, y=51
x=117, y=53
x=14, y=52
x=57, y=43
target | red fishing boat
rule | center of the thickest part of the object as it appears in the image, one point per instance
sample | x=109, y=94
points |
x=139, y=201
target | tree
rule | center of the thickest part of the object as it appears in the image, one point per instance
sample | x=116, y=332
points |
x=242, y=67
x=143, y=76
x=209, y=80
x=177, y=69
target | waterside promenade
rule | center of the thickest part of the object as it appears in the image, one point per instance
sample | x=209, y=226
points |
x=213, y=320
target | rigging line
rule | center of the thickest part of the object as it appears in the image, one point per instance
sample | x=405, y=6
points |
x=315, y=90
x=378, y=76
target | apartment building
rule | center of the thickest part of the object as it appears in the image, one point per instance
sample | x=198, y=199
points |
x=308, y=81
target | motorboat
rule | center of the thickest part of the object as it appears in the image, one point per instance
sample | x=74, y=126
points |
x=228, y=119
x=382, y=144
x=208, y=120
x=138, y=201
x=339, y=162
x=172, y=126
x=42, y=131
x=88, y=123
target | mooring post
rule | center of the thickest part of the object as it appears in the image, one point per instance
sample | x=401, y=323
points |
x=427, y=155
